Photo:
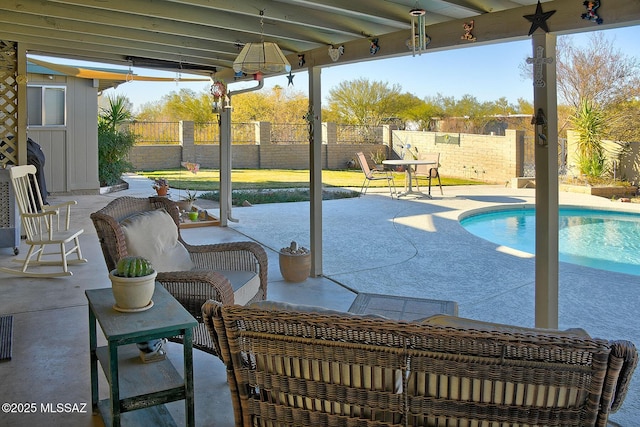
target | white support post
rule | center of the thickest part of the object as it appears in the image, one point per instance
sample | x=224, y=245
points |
x=315, y=170
x=225, y=154
x=21, y=64
x=545, y=123
x=225, y=165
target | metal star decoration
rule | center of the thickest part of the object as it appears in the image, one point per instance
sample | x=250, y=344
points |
x=539, y=19
x=290, y=78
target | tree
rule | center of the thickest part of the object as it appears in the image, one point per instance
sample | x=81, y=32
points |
x=251, y=106
x=280, y=105
x=624, y=121
x=524, y=106
x=468, y=114
x=502, y=107
x=424, y=114
x=151, y=112
x=189, y=105
x=406, y=105
x=602, y=76
x=598, y=73
x=361, y=102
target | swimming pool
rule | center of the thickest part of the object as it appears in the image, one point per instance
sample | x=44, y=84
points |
x=606, y=240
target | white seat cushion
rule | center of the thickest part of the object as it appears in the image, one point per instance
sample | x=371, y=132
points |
x=154, y=235
x=245, y=285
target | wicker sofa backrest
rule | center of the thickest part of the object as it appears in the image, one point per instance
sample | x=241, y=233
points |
x=303, y=368
x=107, y=223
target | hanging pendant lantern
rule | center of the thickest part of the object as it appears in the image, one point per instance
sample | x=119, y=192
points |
x=263, y=57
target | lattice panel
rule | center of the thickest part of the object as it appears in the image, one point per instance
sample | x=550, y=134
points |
x=8, y=104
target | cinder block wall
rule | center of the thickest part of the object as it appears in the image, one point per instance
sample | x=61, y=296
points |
x=488, y=158
x=151, y=157
x=485, y=157
x=284, y=157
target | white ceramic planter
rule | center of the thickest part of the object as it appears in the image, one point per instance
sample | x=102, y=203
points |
x=132, y=293
x=184, y=205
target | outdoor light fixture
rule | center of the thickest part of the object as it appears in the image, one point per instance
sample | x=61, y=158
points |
x=263, y=57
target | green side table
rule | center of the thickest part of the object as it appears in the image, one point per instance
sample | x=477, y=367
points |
x=139, y=390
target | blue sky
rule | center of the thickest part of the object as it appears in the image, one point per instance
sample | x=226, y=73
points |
x=487, y=72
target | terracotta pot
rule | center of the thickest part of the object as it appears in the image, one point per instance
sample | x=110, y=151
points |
x=295, y=268
x=132, y=293
x=162, y=191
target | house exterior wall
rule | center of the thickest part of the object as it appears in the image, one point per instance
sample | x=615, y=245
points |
x=82, y=137
x=71, y=151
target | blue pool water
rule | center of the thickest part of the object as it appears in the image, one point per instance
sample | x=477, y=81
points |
x=600, y=239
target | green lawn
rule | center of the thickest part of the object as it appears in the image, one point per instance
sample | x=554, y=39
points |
x=260, y=179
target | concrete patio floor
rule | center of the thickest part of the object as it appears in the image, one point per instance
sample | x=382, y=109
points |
x=371, y=244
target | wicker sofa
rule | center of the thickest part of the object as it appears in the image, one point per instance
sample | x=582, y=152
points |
x=302, y=366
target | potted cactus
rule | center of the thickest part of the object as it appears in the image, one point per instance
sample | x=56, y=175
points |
x=133, y=283
x=295, y=263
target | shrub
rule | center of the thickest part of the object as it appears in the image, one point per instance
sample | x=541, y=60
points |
x=590, y=123
x=113, y=149
x=114, y=141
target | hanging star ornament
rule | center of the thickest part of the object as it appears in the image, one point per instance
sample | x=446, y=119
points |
x=290, y=78
x=539, y=19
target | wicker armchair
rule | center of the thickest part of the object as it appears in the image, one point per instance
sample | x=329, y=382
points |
x=306, y=366
x=191, y=288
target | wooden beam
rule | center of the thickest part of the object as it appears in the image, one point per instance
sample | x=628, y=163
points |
x=108, y=34
x=153, y=24
x=245, y=26
x=354, y=18
x=60, y=46
x=115, y=44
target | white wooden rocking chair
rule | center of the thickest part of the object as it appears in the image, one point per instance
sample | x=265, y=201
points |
x=42, y=226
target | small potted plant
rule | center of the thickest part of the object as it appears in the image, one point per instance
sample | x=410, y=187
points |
x=133, y=282
x=295, y=263
x=186, y=202
x=161, y=185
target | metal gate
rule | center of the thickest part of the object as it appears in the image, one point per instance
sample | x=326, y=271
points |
x=529, y=169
